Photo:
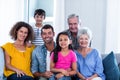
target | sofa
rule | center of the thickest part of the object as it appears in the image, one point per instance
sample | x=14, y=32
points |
x=111, y=64
x=117, y=56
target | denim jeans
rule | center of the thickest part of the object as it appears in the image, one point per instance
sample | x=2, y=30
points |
x=14, y=77
x=62, y=78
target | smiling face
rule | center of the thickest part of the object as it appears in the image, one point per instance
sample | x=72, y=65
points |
x=39, y=19
x=73, y=24
x=84, y=41
x=64, y=41
x=22, y=33
x=47, y=35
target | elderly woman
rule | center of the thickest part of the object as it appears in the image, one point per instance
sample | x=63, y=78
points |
x=89, y=62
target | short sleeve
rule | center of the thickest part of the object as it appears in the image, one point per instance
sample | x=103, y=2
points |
x=8, y=47
x=74, y=58
x=52, y=56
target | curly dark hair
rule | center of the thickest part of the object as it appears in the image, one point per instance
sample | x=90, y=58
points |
x=17, y=26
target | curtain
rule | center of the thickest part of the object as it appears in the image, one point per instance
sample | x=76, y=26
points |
x=113, y=26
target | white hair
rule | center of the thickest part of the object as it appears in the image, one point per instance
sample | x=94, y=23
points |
x=72, y=16
x=84, y=30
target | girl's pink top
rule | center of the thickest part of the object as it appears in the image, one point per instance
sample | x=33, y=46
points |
x=65, y=62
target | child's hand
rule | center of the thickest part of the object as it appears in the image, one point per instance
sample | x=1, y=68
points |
x=69, y=69
x=65, y=72
x=59, y=75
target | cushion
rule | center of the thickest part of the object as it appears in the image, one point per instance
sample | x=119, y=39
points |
x=119, y=66
x=111, y=69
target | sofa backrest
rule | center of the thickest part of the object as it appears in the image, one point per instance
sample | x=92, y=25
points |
x=117, y=55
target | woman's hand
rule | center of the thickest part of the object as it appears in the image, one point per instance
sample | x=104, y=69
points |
x=89, y=78
x=19, y=73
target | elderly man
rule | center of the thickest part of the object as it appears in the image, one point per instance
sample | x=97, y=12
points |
x=73, y=23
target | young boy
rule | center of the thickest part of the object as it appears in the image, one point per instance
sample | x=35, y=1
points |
x=39, y=16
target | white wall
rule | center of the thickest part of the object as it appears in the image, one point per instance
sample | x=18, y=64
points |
x=93, y=15
x=59, y=16
x=113, y=26
x=10, y=12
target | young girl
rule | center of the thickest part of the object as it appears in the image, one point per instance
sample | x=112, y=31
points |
x=63, y=59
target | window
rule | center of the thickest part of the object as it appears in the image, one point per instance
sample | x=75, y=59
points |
x=47, y=5
x=54, y=12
